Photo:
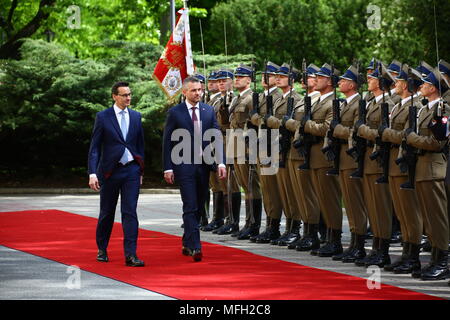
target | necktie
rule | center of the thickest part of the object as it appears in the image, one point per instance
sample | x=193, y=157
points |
x=123, y=128
x=197, y=132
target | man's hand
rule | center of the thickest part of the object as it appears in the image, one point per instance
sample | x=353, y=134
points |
x=93, y=184
x=222, y=172
x=141, y=179
x=169, y=177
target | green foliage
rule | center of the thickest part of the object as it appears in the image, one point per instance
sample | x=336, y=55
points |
x=329, y=31
x=50, y=99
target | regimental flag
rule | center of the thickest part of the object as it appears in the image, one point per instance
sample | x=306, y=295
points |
x=175, y=63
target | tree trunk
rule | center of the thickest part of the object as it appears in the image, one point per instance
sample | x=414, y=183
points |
x=10, y=49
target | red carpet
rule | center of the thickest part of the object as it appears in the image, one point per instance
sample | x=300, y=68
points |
x=225, y=273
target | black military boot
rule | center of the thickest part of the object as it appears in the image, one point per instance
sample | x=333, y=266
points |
x=412, y=263
x=285, y=234
x=348, y=251
x=247, y=222
x=438, y=270
x=297, y=242
x=311, y=241
x=358, y=252
x=382, y=257
x=362, y=261
x=263, y=234
x=233, y=222
x=333, y=246
x=218, y=213
x=323, y=230
x=396, y=235
x=294, y=234
x=253, y=228
x=401, y=260
x=227, y=223
x=274, y=232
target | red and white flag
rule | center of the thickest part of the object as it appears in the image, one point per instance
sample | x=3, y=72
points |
x=175, y=63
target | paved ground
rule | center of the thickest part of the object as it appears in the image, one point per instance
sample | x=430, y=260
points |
x=24, y=276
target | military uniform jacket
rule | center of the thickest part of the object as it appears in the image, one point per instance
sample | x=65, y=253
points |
x=213, y=98
x=395, y=133
x=240, y=107
x=258, y=119
x=446, y=96
x=321, y=116
x=369, y=131
x=432, y=164
x=294, y=123
x=224, y=122
x=344, y=130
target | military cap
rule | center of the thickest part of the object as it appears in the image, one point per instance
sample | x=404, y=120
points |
x=444, y=67
x=350, y=74
x=373, y=64
x=212, y=75
x=284, y=71
x=395, y=66
x=200, y=77
x=312, y=70
x=271, y=68
x=224, y=74
x=243, y=71
x=436, y=79
x=424, y=68
x=325, y=71
x=410, y=75
x=388, y=80
x=403, y=74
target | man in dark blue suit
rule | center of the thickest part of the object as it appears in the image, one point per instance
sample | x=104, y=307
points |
x=116, y=165
x=189, y=161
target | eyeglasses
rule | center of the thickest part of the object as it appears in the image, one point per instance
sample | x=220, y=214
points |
x=126, y=95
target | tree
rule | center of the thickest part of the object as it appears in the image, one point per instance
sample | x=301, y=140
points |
x=10, y=49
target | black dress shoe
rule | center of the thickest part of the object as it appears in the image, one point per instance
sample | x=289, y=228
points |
x=133, y=261
x=186, y=251
x=102, y=256
x=197, y=255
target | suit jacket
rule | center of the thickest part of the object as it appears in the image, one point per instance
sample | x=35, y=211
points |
x=178, y=117
x=107, y=143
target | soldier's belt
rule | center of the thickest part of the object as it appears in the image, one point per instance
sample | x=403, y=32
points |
x=422, y=152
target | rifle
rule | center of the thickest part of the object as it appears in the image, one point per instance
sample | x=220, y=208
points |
x=224, y=111
x=359, y=150
x=305, y=142
x=255, y=97
x=382, y=154
x=333, y=148
x=285, y=134
x=269, y=112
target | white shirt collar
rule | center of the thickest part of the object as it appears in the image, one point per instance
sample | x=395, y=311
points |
x=405, y=101
x=432, y=103
x=326, y=95
x=243, y=92
x=287, y=93
x=349, y=99
x=393, y=91
x=190, y=106
x=380, y=97
x=214, y=95
x=117, y=110
x=267, y=92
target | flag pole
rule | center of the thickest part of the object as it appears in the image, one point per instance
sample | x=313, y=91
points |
x=187, y=38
